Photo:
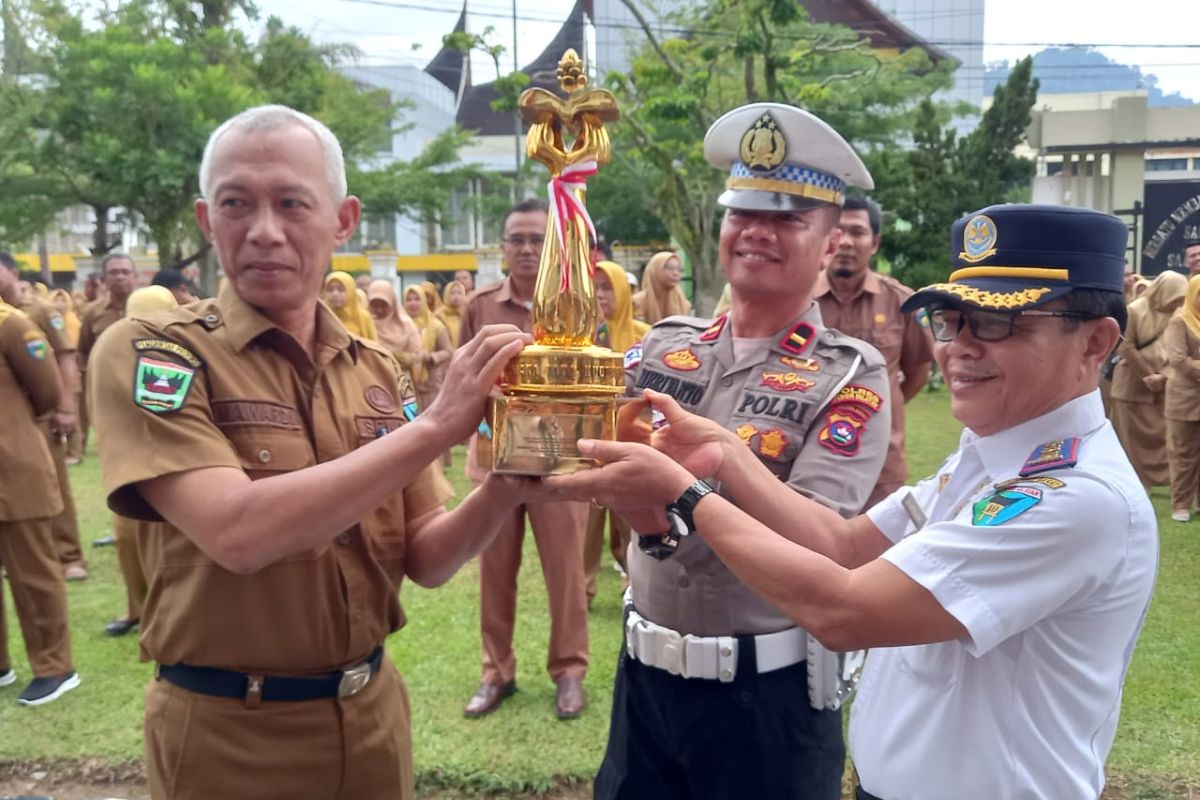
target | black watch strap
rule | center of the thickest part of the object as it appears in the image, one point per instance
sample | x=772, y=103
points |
x=685, y=504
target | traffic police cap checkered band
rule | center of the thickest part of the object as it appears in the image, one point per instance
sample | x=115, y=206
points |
x=1018, y=256
x=781, y=158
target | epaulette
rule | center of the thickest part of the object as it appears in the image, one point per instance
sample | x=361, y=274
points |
x=870, y=355
x=1051, y=455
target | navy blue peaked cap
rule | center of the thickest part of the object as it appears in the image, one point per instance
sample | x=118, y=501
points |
x=1016, y=256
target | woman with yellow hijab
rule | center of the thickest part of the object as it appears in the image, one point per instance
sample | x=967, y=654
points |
x=1181, y=341
x=66, y=306
x=1138, y=379
x=454, y=303
x=435, y=338
x=618, y=331
x=660, y=295
x=397, y=332
x=341, y=295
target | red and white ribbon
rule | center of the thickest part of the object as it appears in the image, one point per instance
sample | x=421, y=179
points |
x=564, y=206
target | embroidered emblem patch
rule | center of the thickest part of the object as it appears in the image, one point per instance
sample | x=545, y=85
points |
x=944, y=479
x=633, y=356
x=57, y=322
x=167, y=346
x=1051, y=455
x=860, y=395
x=802, y=364
x=682, y=360
x=715, y=329
x=1005, y=505
x=797, y=338
x=772, y=443
x=411, y=410
x=786, y=382
x=841, y=433
x=380, y=399
x=979, y=239
x=160, y=385
x=36, y=345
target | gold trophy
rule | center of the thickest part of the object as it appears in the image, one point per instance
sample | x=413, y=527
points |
x=563, y=388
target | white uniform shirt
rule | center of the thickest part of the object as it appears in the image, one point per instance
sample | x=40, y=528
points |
x=1052, y=599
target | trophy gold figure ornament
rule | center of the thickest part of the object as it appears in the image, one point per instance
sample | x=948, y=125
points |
x=563, y=387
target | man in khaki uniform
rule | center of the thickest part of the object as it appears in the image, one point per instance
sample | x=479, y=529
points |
x=860, y=302
x=559, y=527
x=65, y=525
x=718, y=693
x=118, y=280
x=30, y=387
x=297, y=485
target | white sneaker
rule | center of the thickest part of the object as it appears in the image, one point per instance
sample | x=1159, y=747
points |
x=1181, y=516
x=8, y=678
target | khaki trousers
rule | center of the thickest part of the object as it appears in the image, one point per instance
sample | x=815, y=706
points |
x=39, y=596
x=558, y=528
x=593, y=547
x=125, y=533
x=1183, y=450
x=354, y=748
x=64, y=526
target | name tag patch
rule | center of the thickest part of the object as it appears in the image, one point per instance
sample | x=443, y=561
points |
x=686, y=392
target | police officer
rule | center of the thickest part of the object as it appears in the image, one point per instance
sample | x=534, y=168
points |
x=1003, y=595
x=727, y=711
x=298, y=486
x=65, y=525
x=29, y=388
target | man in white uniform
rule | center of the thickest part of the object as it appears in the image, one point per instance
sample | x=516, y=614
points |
x=1003, y=595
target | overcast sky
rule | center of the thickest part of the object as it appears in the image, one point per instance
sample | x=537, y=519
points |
x=410, y=31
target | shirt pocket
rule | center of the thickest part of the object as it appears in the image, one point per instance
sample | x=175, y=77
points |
x=938, y=665
x=888, y=340
x=266, y=450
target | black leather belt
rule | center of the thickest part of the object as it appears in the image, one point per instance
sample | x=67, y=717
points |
x=273, y=688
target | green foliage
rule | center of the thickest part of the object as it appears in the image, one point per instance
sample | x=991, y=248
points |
x=925, y=188
x=734, y=52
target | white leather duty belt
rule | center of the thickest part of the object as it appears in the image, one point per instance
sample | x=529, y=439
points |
x=707, y=657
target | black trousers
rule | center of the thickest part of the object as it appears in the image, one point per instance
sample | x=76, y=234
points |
x=673, y=737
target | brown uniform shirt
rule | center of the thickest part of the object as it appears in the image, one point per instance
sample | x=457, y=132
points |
x=29, y=387
x=490, y=305
x=216, y=384
x=874, y=316
x=1182, y=350
x=810, y=402
x=95, y=319
x=50, y=320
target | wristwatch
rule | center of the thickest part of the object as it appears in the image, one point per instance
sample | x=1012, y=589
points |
x=685, y=505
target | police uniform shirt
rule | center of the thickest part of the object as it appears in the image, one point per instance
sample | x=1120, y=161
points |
x=216, y=384
x=1050, y=572
x=29, y=387
x=813, y=405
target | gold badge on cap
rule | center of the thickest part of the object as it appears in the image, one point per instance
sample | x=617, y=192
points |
x=763, y=147
x=979, y=239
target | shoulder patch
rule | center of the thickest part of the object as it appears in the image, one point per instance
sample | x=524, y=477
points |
x=161, y=385
x=633, y=356
x=714, y=330
x=860, y=395
x=1042, y=480
x=1051, y=455
x=797, y=339
x=1005, y=505
x=36, y=345
x=57, y=322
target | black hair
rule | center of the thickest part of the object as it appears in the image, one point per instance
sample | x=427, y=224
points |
x=855, y=202
x=530, y=204
x=1095, y=304
x=7, y=260
x=170, y=278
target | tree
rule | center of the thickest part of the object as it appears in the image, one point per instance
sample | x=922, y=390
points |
x=926, y=188
x=731, y=52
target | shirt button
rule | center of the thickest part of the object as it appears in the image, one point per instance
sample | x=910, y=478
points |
x=264, y=456
x=212, y=319
x=343, y=538
x=726, y=381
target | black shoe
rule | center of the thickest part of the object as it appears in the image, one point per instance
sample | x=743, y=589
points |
x=120, y=627
x=45, y=690
x=104, y=541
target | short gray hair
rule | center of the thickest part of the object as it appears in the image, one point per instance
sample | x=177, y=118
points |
x=273, y=117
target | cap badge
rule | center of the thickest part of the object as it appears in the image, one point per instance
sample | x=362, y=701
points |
x=979, y=239
x=763, y=147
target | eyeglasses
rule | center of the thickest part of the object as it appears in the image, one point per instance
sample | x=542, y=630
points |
x=520, y=241
x=986, y=326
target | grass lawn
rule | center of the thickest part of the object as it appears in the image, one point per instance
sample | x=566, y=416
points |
x=523, y=747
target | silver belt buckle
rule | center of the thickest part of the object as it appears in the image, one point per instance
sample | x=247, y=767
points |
x=354, y=680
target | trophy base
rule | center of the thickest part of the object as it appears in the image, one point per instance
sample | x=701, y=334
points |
x=537, y=434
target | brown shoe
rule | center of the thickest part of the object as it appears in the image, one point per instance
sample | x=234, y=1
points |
x=75, y=572
x=570, y=697
x=487, y=698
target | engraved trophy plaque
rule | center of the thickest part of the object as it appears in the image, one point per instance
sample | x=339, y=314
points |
x=562, y=388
